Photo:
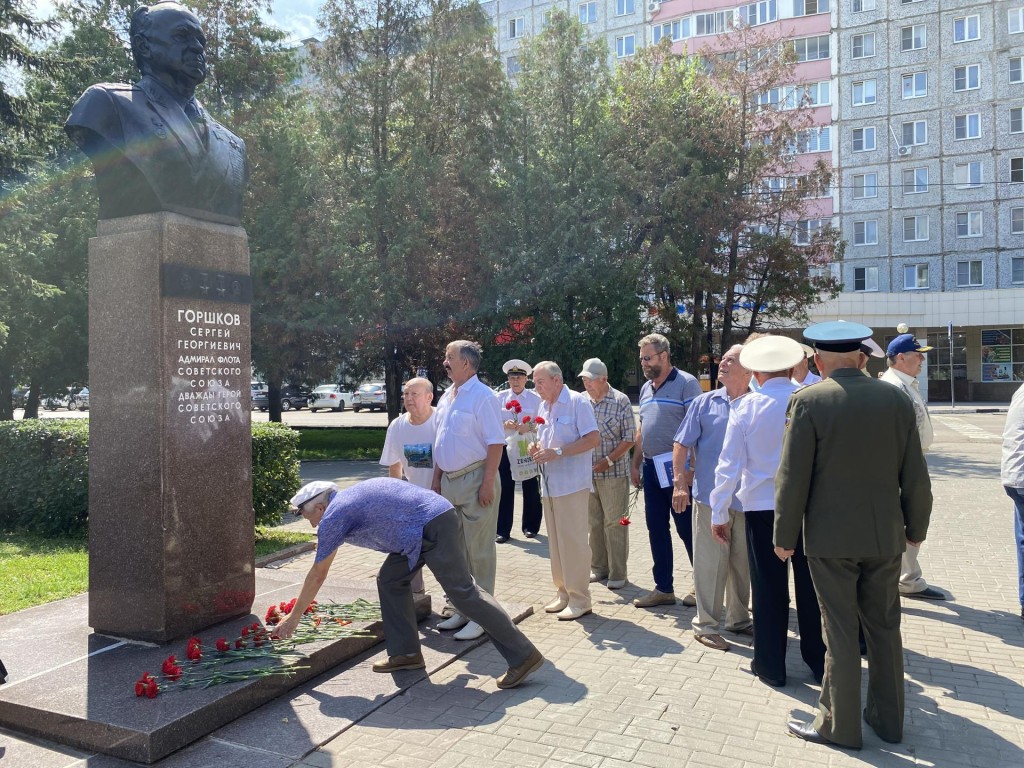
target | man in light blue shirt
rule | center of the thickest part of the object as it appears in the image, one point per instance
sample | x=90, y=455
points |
x=747, y=466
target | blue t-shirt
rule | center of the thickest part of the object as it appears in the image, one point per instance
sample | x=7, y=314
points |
x=383, y=514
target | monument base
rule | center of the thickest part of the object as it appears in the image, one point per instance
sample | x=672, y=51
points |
x=77, y=688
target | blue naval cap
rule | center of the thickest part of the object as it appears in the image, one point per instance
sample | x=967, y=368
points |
x=837, y=336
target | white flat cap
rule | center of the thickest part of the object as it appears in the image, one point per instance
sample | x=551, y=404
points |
x=516, y=365
x=870, y=347
x=769, y=354
x=310, y=490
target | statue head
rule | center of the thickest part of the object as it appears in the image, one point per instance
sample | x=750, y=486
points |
x=168, y=44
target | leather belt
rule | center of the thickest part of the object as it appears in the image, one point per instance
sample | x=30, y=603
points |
x=464, y=471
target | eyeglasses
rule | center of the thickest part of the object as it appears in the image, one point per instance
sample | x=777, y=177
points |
x=648, y=358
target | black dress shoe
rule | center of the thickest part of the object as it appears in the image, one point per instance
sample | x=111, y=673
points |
x=530, y=534
x=806, y=732
x=499, y=539
x=883, y=738
x=928, y=593
x=766, y=680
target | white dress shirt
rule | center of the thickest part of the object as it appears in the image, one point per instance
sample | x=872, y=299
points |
x=810, y=378
x=528, y=398
x=1012, y=468
x=566, y=421
x=912, y=389
x=752, y=450
x=466, y=424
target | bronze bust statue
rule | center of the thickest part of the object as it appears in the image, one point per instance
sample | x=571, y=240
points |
x=153, y=147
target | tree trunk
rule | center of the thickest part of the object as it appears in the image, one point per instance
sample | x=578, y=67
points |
x=274, y=396
x=6, y=388
x=32, y=402
x=394, y=373
x=698, y=325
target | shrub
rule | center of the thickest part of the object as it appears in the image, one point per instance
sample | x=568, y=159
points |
x=275, y=470
x=44, y=474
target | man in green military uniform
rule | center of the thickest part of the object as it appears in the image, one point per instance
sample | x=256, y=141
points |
x=854, y=476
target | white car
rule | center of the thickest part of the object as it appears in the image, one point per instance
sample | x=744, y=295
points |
x=329, y=396
x=372, y=397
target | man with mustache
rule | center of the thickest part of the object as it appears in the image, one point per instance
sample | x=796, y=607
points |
x=153, y=146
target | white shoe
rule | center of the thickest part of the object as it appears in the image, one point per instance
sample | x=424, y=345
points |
x=469, y=632
x=454, y=622
x=556, y=605
x=616, y=583
x=594, y=578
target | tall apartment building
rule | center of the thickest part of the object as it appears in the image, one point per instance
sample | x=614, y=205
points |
x=921, y=108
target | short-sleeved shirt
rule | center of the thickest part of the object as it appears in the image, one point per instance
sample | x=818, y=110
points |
x=384, y=514
x=703, y=430
x=566, y=421
x=467, y=424
x=412, y=445
x=528, y=399
x=663, y=410
x=614, y=416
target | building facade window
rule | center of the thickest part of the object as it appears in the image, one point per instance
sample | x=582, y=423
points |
x=966, y=28
x=625, y=46
x=969, y=273
x=1017, y=69
x=588, y=13
x=865, y=185
x=1016, y=119
x=865, y=278
x=863, y=139
x=712, y=23
x=967, y=175
x=811, y=7
x=859, y=6
x=676, y=30
x=967, y=77
x=914, y=133
x=915, y=181
x=1015, y=21
x=1017, y=170
x=625, y=7
x=516, y=28
x=512, y=66
x=1017, y=269
x=915, y=228
x=865, y=232
x=915, y=277
x=863, y=93
x=863, y=45
x=755, y=14
x=812, y=48
x=1017, y=221
x=817, y=139
x=967, y=126
x=913, y=38
x=915, y=85
x=968, y=224
x=805, y=230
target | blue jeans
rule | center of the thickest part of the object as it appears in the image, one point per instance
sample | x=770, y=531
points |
x=657, y=512
x=1017, y=494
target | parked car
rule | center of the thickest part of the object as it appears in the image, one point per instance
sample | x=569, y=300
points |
x=66, y=399
x=258, y=388
x=293, y=397
x=19, y=396
x=329, y=397
x=372, y=397
x=79, y=401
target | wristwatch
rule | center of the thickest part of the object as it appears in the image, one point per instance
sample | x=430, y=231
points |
x=558, y=451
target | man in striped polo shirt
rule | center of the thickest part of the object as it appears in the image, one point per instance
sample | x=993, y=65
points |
x=664, y=399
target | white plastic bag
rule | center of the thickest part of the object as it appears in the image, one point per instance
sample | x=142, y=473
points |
x=523, y=467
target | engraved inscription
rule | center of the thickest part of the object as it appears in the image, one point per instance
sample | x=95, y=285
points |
x=208, y=376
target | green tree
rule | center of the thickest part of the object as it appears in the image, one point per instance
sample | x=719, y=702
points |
x=565, y=267
x=413, y=96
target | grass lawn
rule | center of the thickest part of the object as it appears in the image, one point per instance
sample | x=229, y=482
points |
x=346, y=443
x=35, y=570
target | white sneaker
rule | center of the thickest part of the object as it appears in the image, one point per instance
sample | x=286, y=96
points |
x=454, y=622
x=616, y=583
x=556, y=605
x=594, y=577
x=469, y=632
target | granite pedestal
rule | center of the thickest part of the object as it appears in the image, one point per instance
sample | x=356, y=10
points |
x=170, y=446
x=76, y=688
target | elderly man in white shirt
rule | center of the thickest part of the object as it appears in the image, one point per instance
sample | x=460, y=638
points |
x=749, y=459
x=802, y=374
x=564, y=449
x=905, y=357
x=467, y=451
x=1011, y=474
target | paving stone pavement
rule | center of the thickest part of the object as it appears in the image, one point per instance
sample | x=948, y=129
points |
x=627, y=686
x=631, y=687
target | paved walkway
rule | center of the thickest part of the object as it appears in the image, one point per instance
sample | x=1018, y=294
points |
x=630, y=687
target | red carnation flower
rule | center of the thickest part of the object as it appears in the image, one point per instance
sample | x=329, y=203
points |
x=194, y=652
x=223, y=645
x=539, y=420
x=624, y=521
x=526, y=419
x=239, y=643
x=272, y=617
x=151, y=689
x=169, y=662
x=311, y=608
x=245, y=631
x=140, y=688
x=173, y=673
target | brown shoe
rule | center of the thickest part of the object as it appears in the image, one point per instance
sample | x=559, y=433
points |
x=517, y=674
x=395, y=663
x=712, y=641
x=655, y=597
x=690, y=601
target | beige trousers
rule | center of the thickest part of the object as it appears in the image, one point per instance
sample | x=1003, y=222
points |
x=566, y=521
x=609, y=541
x=911, y=576
x=720, y=571
x=479, y=524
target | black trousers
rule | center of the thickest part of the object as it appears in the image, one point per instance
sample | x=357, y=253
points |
x=769, y=587
x=532, y=509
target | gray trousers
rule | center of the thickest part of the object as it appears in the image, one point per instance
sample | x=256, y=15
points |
x=444, y=554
